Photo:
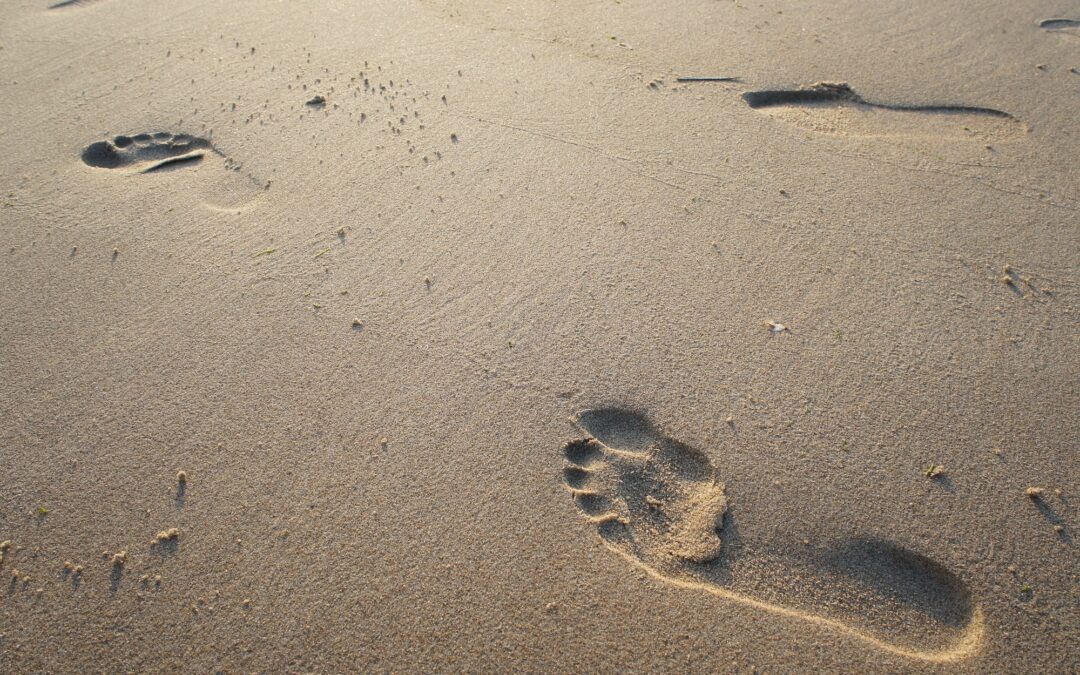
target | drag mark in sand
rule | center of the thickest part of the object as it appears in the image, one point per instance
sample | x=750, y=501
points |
x=837, y=108
x=627, y=163
x=660, y=504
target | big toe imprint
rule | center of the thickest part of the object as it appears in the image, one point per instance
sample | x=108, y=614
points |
x=162, y=151
x=660, y=504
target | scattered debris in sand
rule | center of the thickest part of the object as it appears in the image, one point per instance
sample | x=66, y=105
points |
x=317, y=101
x=181, y=477
x=777, y=327
x=171, y=534
x=934, y=470
x=1035, y=493
x=119, y=559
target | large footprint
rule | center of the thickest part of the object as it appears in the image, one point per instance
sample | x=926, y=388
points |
x=660, y=504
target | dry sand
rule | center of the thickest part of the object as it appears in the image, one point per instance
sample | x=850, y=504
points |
x=436, y=335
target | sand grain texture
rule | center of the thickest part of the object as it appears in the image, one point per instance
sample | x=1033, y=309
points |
x=358, y=271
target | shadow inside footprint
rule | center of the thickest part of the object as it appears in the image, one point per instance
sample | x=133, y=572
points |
x=660, y=504
x=904, y=577
x=618, y=428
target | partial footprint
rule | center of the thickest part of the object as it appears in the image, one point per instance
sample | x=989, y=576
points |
x=836, y=108
x=1066, y=26
x=660, y=504
x=162, y=151
x=71, y=3
x=144, y=153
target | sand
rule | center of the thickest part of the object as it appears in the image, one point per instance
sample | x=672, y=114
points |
x=442, y=336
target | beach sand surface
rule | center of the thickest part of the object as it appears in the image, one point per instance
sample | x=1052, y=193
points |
x=434, y=335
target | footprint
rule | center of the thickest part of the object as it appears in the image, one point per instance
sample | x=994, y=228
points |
x=144, y=153
x=1067, y=26
x=60, y=4
x=162, y=151
x=661, y=505
x=837, y=109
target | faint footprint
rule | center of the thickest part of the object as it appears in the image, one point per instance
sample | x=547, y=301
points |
x=836, y=108
x=660, y=504
x=162, y=151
